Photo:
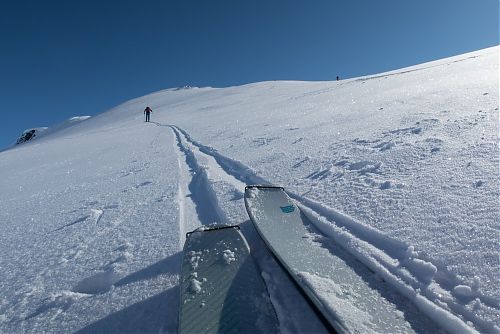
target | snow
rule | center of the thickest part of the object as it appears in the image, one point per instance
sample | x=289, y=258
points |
x=337, y=298
x=97, y=283
x=195, y=258
x=405, y=280
x=400, y=169
x=194, y=284
x=228, y=256
x=35, y=133
x=463, y=291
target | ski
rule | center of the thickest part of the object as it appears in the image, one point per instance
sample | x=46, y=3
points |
x=346, y=300
x=222, y=290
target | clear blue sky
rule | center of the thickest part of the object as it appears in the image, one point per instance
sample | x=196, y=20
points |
x=63, y=58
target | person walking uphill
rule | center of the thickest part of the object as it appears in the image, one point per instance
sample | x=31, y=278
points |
x=147, y=112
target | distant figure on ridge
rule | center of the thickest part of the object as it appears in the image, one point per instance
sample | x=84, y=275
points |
x=147, y=112
x=338, y=78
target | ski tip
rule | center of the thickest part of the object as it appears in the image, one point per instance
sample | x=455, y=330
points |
x=211, y=228
x=263, y=186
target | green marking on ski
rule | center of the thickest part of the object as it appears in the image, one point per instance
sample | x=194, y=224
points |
x=287, y=209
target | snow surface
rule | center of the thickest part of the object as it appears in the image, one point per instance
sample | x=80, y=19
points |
x=35, y=133
x=401, y=169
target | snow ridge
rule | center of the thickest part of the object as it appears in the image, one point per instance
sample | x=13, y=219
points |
x=421, y=281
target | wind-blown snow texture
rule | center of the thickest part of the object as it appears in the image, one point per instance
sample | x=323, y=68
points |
x=401, y=169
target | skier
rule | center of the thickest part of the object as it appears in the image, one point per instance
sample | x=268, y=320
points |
x=147, y=112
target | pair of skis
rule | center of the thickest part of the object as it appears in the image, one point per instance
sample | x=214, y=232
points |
x=222, y=290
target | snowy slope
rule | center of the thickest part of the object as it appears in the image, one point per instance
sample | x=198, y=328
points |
x=400, y=169
x=35, y=133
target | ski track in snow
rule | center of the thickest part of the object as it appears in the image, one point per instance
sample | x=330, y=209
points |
x=186, y=206
x=205, y=176
x=200, y=188
x=427, y=285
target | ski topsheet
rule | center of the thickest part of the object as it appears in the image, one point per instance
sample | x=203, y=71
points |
x=221, y=289
x=345, y=299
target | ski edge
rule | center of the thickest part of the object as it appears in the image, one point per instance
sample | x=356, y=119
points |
x=212, y=228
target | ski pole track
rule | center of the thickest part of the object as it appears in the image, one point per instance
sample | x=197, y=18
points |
x=431, y=287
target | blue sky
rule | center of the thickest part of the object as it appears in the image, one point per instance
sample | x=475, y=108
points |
x=63, y=58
